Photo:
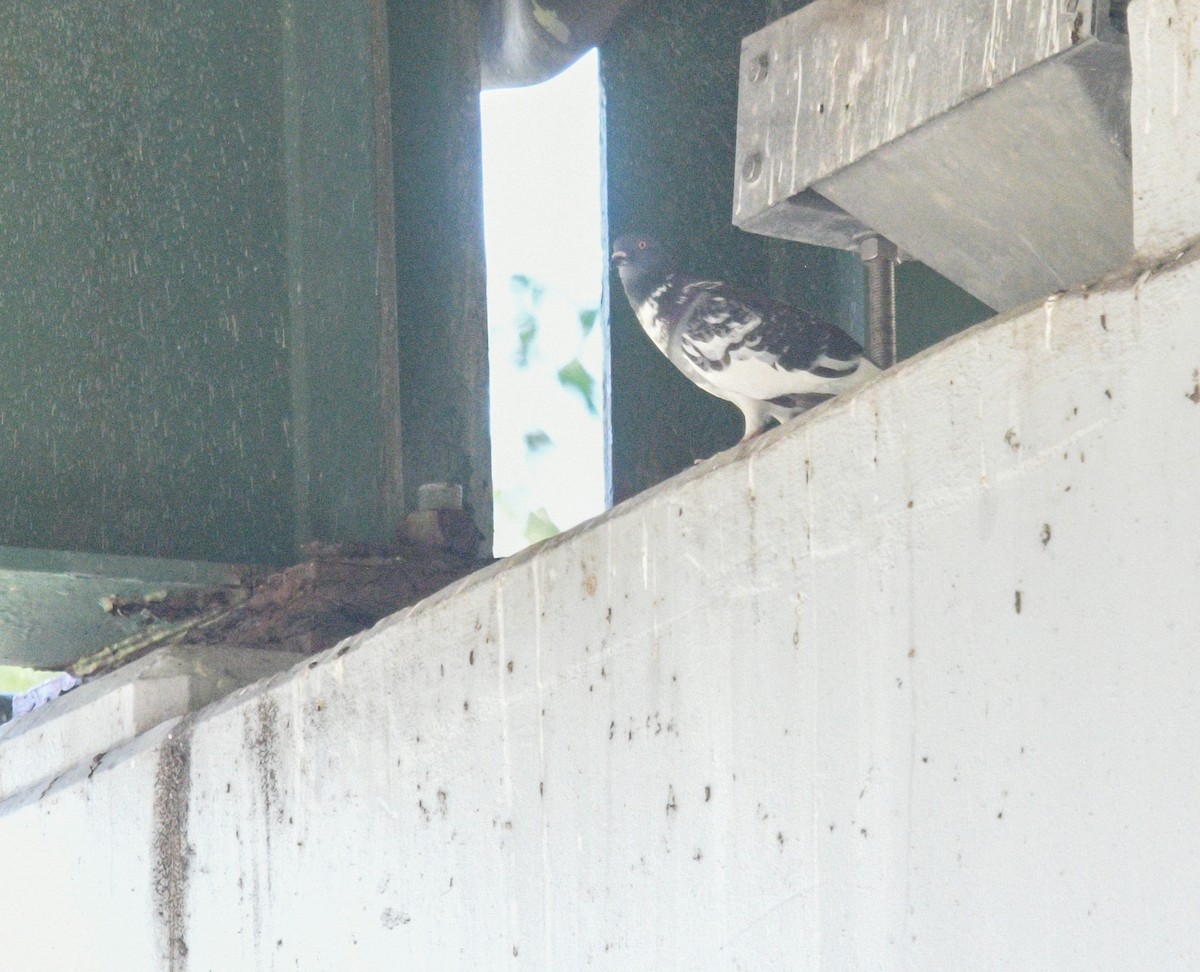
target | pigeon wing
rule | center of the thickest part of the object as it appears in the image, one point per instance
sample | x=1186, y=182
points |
x=758, y=348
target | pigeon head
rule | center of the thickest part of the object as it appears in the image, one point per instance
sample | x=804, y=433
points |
x=638, y=252
x=641, y=260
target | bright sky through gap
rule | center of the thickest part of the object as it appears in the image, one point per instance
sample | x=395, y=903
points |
x=542, y=220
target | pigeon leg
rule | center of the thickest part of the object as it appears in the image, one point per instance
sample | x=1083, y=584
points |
x=757, y=416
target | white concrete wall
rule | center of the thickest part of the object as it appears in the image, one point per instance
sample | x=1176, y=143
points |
x=910, y=684
x=1164, y=41
x=780, y=713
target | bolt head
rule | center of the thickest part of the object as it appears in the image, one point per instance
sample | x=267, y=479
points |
x=439, y=496
x=760, y=67
x=877, y=247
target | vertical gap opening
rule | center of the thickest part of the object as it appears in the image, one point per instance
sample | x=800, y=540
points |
x=547, y=328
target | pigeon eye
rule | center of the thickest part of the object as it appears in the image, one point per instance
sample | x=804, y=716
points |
x=641, y=244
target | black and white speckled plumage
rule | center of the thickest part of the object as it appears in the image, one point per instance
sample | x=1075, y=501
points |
x=768, y=358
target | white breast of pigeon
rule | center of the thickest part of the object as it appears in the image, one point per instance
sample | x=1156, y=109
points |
x=652, y=324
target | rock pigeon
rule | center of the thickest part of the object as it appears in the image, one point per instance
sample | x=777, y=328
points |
x=769, y=359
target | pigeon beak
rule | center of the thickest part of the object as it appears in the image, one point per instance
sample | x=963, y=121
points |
x=619, y=257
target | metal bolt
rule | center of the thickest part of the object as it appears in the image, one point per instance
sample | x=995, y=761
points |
x=759, y=68
x=874, y=247
x=752, y=167
x=439, y=496
x=879, y=258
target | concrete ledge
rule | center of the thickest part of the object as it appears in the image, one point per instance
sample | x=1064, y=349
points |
x=839, y=699
x=84, y=725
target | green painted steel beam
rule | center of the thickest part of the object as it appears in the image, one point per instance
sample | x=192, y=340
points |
x=201, y=352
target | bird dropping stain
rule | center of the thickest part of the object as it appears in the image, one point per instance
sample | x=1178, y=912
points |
x=262, y=740
x=172, y=789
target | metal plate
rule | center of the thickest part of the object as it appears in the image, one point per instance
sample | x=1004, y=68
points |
x=988, y=139
x=51, y=609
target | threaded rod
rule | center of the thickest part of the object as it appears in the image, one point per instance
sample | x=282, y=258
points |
x=879, y=259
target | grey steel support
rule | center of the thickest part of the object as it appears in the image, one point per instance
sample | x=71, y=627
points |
x=988, y=140
x=879, y=260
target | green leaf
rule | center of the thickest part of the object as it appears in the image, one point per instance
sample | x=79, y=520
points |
x=527, y=330
x=533, y=290
x=539, y=526
x=587, y=319
x=537, y=440
x=575, y=375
